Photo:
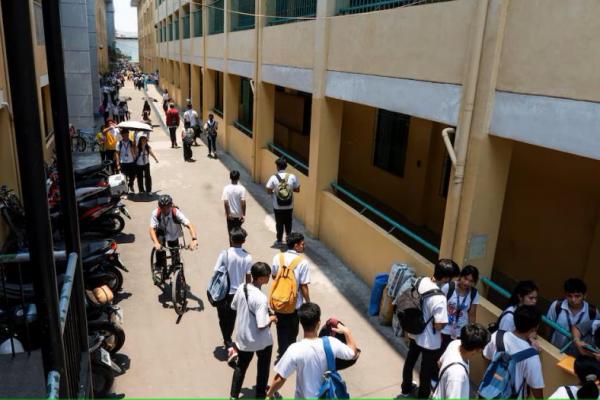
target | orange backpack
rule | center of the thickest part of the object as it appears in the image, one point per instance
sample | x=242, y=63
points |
x=284, y=290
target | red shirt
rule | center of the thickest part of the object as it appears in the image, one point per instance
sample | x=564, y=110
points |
x=172, y=117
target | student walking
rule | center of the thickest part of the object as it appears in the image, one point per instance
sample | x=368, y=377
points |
x=238, y=264
x=282, y=187
x=529, y=379
x=572, y=310
x=453, y=380
x=211, y=127
x=308, y=358
x=428, y=343
x=525, y=293
x=187, y=138
x=111, y=137
x=126, y=155
x=166, y=99
x=146, y=108
x=172, y=120
x=191, y=120
x=291, y=274
x=253, y=334
x=587, y=370
x=234, y=201
x=144, y=152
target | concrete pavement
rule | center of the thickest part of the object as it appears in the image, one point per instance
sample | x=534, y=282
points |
x=170, y=359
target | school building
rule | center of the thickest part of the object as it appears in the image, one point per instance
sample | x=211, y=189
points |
x=357, y=93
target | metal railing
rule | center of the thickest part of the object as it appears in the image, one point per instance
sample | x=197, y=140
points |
x=243, y=128
x=243, y=17
x=216, y=17
x=395, y=224
x=286, y=11
x=299, y=165
x=345, y=7
x=197, y=23
x=186, y=26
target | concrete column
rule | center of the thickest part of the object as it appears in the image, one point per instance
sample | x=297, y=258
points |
x=231, y=95
x=264, y=123
x=110, y=23
x=487, y=163
x=196, y=94
x=184, y=83
x=93, y=41
x=326, y=124
x=208, y=93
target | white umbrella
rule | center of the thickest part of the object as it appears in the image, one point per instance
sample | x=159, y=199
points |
x=135, y=126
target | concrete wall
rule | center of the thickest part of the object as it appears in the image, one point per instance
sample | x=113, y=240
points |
x=238, y=144
x=289, y=44
x=241, y=45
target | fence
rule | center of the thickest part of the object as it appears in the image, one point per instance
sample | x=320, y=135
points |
x=243, y=17
x=299, y=165
x=216, y=17
x=345, y=7
x=197, y=23
x=286, y=11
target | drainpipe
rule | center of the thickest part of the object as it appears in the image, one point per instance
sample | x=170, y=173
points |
x=464, y=132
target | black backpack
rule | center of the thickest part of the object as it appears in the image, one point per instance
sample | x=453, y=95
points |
x=409, y=308
x=592, y=311
x=452, y=289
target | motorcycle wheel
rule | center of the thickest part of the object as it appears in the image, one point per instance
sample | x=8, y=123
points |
x=112, y=224
x=102, y=380
x=114, y=335
x=116, y=282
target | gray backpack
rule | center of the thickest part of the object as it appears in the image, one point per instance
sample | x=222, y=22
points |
x=218, y=287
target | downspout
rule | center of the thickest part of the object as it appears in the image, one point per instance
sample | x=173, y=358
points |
x=464, y=132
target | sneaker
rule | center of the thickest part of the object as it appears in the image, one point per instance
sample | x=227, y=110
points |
x=278, y=243
x=410, y=394
x=232, y=357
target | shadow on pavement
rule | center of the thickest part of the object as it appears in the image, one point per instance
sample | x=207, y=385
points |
x=121, y=296
x=220, y=353
x=143, y=197
x=124, y=238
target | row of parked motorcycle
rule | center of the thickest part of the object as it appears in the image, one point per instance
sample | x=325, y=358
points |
x=100, y=210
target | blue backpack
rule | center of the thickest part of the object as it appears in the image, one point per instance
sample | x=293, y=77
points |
x=499, y=379
x=333, y=386
x=218, y=287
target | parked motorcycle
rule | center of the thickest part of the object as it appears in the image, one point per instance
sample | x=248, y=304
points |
x=104, y=369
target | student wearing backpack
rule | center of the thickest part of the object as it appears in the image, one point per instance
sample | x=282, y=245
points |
x=570, y=311
x=211, y=127
x=427, y=344
x=126, y=154
x=289, y=290
x=586, y=337
x=308, y=357
x=525, y=293
x=172, y=120
x=253, y=321
x=144, y=152
x=238, y=263
x=515, y=365
x=282, y=187
x=453, y=380
x=234, y=201
x=462, y=298
x=587, y=370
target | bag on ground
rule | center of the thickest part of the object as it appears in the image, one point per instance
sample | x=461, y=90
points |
x=399, y=274
x=409, y=308
x=284, y=290
x=118, y=184
x=499, y=379
x=283, y=191
x=333, y=386
x=218, y=287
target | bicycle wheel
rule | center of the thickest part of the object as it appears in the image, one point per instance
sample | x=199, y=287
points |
x=154, y=270
x=78, y=144
x=179, y=292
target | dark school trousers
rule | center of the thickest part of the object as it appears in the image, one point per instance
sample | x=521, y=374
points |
x=212, y=143
x=226, y=320
x=129, y=172
x=232, y=223
x=173, y=135
x=144, y=179
x=262, y=375
x=283, y=220
x=287, y=331
x=187, y=150
x=428, y=367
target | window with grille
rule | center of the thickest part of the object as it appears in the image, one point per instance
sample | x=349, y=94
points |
x=391, y=141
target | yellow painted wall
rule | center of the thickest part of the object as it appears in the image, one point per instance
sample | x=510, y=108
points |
x=550, y=218
x=289, y=44
x=215, y=45
x=558, y=54
x=268, y=168
x=428, y=42
x=239, y=146
x=242, y=45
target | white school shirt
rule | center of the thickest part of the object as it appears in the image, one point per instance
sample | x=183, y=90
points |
x=234, y=194
x=454, y=324
x=529, y=370
x=454, y=383
x=165, y=96
x=561, y=392
x=143, y=156
x=172, y=230
x=125, y=149
x=253, y=332
x=307, y=358
x=272, y=184
x=191, y=116
x=301, y=272
x=567, y=320
x=239, y=263
x=433, y=305
x=507, y=323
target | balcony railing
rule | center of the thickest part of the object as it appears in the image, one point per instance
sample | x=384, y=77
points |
x=285, y=11
x=296, y=163
x=345, y=7
x=186, y=26
x=216, y=17
x=197, y=23
x=242, y=15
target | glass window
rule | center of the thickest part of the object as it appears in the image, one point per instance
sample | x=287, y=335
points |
x=218, y=93
x=245, y=115
x=391, y=141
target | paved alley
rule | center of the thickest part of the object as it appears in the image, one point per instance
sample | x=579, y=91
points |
x=171, y=358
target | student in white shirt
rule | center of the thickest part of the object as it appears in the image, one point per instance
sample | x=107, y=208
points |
x=287, y=324
x=234, y=201
x=586, y=337
x=191, y=120
x=253, y=334
x=428, y=343
x=525, y=293
x=307, y=357
x=144, y=152
x=587, y=370
x=125, y=156
x=528, y=373
x=282, y=208
x=238, y=263
x=570, y=311
x=453, y=382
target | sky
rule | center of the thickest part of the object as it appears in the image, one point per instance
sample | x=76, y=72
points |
x=125, y=16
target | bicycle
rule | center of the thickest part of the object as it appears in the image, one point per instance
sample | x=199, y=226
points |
x=84, y=139
x=172, y=271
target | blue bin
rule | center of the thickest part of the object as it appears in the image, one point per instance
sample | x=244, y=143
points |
x=378, y=287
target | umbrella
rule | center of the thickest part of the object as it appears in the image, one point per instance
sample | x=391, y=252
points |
x=149, y=99
x=124, y=98
x=134, y=126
